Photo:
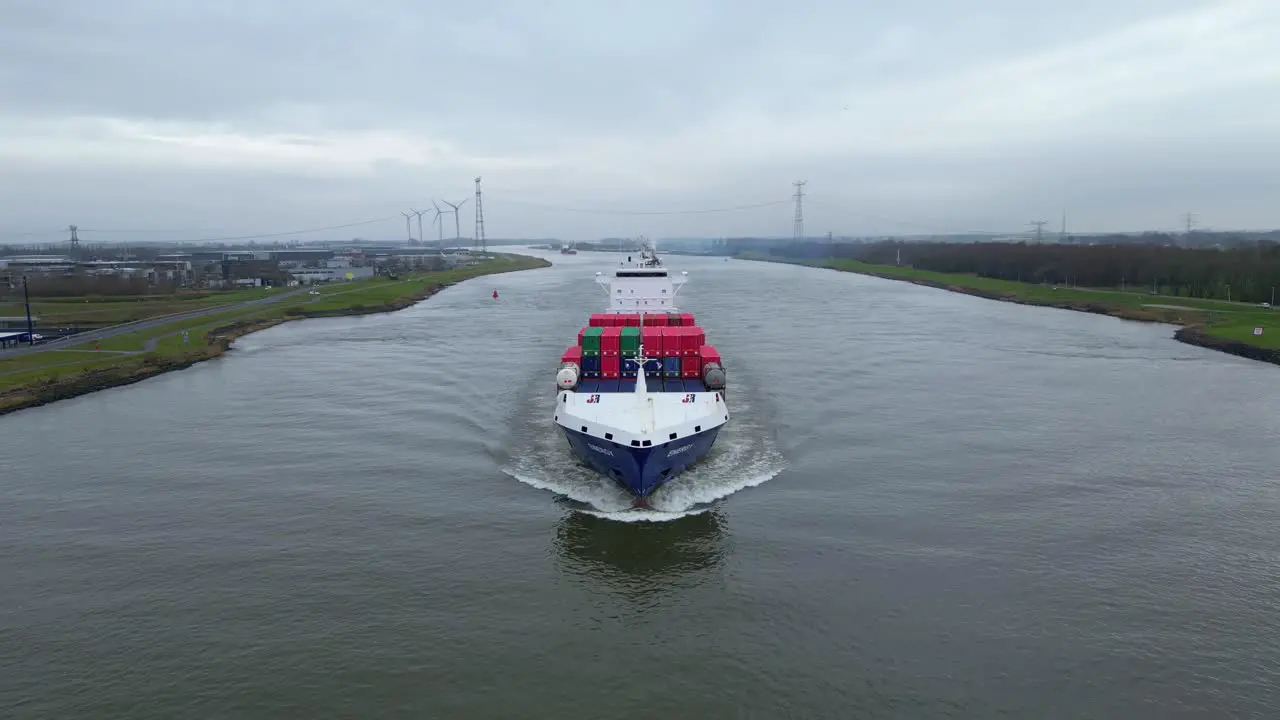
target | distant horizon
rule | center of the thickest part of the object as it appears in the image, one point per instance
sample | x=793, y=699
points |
x=466, y=242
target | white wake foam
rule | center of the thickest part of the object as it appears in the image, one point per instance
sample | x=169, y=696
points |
x=744, y=456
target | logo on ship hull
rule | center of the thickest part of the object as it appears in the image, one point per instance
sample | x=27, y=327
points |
x=602, y=451
x=677, y=451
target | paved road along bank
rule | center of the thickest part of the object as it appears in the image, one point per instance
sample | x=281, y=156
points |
x=114, y=330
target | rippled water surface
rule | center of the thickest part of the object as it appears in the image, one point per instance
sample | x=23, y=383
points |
x=927, y=505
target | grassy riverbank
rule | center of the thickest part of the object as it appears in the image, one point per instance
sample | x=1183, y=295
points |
x=1215, y=324
x=39, y=378
x=90, y=311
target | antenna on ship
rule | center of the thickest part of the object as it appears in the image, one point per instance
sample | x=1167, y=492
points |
x=642, y=387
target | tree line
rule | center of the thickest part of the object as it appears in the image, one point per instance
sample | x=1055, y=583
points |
x=1243, y=273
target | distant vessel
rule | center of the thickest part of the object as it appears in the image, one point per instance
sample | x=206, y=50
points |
x=641, y=397
x=568, y=250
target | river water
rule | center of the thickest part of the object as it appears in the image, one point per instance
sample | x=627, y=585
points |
x=927, y=505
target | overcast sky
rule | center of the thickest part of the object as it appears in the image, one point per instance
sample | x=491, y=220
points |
x=236, y=117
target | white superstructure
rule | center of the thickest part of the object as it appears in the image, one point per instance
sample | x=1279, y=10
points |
x=641, y=284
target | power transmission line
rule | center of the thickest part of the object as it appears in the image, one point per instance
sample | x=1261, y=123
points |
x=934, y=225
x=1190, y=220
x=32, y=233
x=601, y=211
x=797, y=226
x=292, y=232
x=479, y=238
x=1039, y=228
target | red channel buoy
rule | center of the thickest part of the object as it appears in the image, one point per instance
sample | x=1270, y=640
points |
x=495, y=294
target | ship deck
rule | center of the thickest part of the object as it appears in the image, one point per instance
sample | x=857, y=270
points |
x=672, y=385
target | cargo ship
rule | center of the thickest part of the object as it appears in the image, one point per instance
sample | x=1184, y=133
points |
x=642, y=396
x=568, y=250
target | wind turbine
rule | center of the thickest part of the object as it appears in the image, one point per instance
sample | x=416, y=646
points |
x=419, y=213
x=439, y=222
x=457, y=233
x=407, y=230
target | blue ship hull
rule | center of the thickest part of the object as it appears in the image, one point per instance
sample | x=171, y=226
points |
x=641, y=470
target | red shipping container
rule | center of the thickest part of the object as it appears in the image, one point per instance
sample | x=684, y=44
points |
x=691, y=367
x=581, y=332
x=694, y=339
x=672, y=339
x=573, y=355
x=690, y=340
x=611, y=342
x=656, y=320
x=686, y=320
x=653, y=341
x=609, y=367
x=597, y=320
x=708, y=353
x=630, y=320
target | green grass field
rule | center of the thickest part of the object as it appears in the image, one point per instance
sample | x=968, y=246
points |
x=100, y=311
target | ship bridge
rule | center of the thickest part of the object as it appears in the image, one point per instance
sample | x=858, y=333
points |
x=641, y=284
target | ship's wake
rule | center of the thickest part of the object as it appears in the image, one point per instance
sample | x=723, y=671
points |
x=745, y=455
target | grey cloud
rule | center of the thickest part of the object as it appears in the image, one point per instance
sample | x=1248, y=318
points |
x=618, y=102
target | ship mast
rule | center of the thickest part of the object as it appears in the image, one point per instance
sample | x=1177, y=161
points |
x=642, y=384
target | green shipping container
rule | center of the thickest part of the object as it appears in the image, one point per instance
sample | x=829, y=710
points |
x=591, y=341
x=630, y=341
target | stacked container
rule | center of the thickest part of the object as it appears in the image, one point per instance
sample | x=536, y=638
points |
x=608, y=347
x=653, y=340
x=671, y=367
x=629, y=347
x=610, y=341
x=591, y=351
